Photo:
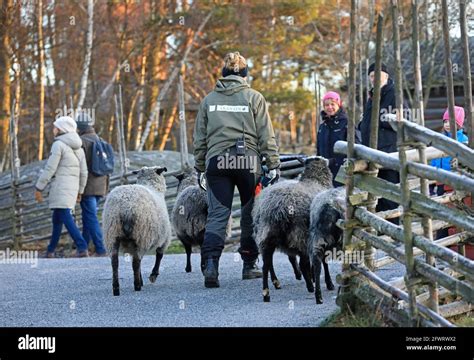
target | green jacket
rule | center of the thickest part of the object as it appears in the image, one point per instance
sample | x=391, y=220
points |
x=221, y=117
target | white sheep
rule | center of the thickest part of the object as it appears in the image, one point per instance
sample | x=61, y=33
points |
x=136, y=219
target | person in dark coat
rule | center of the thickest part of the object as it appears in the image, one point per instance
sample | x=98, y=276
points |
x=96, y=187
x=333, y=128
x=387, y=137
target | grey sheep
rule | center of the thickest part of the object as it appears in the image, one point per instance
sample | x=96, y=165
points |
x=136, y=218
x=327, y=208
x=281, y=219
x=189, y=214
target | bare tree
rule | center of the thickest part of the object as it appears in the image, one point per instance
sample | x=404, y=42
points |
x=87, y=60
x=5, y=65
x=41, y=78
x=156, y=107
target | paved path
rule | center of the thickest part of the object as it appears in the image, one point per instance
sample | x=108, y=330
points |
x=78, y=292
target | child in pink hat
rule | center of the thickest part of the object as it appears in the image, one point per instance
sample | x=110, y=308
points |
x=445, y=163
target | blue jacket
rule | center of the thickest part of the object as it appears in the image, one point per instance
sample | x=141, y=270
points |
x=445, y=163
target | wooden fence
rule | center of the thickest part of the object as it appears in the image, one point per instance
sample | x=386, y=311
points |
x=24, y=221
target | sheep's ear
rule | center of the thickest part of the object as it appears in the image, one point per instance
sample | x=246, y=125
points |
x=135, y=172
x=311, y=158
x=180, y=177
x=161, y=170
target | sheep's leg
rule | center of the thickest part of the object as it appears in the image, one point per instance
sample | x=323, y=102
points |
x=296, y=268
x=317, y=274
x=306, y=270
x=137, y=281
x=267, y=255
x=189, y=250
x=327, y=276
x=273, y=276
x=115, y=265
x=156, y=269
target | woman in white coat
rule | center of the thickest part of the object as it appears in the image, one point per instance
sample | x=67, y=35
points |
x=67, y=170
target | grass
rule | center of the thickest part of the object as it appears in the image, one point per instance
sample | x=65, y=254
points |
x=176, y=247
x=465, y=320
x=363, y=317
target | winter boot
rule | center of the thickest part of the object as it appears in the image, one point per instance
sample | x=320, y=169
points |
x=251, y=270
x=211, y=273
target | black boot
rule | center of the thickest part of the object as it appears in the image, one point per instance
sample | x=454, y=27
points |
x=251, y=270
x=211, y=273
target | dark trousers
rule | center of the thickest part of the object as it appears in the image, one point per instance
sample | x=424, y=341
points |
x=441, y=233
x=222, y=176
x=393, y=177
x=385, y=204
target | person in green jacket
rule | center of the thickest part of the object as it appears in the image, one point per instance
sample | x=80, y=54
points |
x=233, y=132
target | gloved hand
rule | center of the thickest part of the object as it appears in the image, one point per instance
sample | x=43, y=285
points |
x=270, y=177
x=201, y=178
x=38, y=196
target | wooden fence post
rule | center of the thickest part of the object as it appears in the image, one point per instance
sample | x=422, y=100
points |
x=369, y=251
x=183, y=138
x=449, y=68
x=410, y=277
x=121, y=136
x=345, y=299
x=15, y=178
x=418, y=108
x=467, y=87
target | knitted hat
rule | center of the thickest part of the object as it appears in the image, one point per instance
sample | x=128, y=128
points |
x=66, y=124
x=458, y=115
x=83, y=120
x=372, y=68
x=334, y=96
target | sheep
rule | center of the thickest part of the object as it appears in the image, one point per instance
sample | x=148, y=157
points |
x=136, y=218
x=189, y=214
x=327, y=208
x=281, y=219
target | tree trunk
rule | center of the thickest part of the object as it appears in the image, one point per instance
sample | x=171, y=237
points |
x=87, y=60
x=141, y=101
x=5, y=64
x=167, y=129
x=156, y=107
x=41, y=79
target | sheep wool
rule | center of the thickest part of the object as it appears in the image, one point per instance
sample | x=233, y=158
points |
x=136, y=220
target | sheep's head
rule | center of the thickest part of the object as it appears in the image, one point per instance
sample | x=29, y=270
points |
x=152, y=176
x=187, y=178
x=316, y=169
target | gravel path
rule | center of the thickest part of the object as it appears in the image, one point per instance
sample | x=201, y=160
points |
x=78, y=292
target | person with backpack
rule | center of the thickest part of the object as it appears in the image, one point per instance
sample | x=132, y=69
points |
x=66, y=169
x=233, y=127
x=97, y=181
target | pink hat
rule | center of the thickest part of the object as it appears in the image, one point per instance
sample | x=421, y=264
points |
x=334, y=96
x=458, y=115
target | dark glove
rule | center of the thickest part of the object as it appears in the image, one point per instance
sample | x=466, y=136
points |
x=270, y=176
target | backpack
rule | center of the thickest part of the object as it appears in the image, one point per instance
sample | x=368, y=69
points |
x=102, y=158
